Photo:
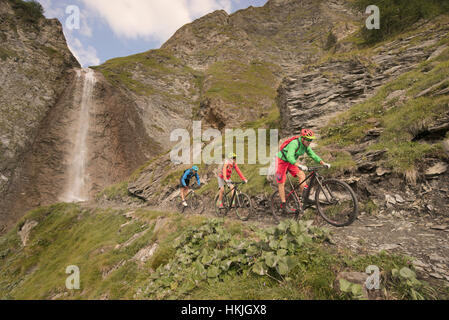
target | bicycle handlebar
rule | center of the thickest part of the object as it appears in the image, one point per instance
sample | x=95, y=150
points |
x=314, y=168
x=310, y=169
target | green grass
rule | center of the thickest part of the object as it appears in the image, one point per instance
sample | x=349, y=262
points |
x=117, y=191
x=242, y=85
x=94, y=241
x=28, y=11
x=158, y=64
x=68, y=235
x=400, y=121
x=399, y=15
x=5, y=54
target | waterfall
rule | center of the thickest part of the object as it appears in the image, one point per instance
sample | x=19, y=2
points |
x=77, y=185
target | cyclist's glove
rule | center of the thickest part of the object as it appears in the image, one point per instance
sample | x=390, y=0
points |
x=303, y=167
x=246, y=181
x=327, y=165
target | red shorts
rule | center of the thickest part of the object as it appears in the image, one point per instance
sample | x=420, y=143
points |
x=282, y=167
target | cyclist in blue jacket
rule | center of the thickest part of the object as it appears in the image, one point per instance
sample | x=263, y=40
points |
x=185, y=182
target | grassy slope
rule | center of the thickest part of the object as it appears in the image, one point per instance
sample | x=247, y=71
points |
x=237, y=84
x=69, y=235
x=400, y=121
x=153, y=64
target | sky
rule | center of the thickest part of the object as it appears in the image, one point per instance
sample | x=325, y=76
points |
x=98, y=30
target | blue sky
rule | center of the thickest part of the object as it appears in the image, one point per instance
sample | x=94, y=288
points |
x=115, y=28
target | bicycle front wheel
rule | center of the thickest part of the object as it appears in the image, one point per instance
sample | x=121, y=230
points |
x=337, y=203
x=195, y=204
x=243, y=206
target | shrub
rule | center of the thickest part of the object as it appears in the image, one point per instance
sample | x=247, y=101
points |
x=29, y=11
x=398, y=15
x=331, y=41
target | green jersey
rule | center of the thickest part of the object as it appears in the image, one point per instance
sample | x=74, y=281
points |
x=294, y=150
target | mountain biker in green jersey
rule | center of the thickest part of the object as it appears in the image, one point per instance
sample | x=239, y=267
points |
x=287, y=158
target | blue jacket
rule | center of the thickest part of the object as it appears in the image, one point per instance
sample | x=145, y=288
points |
x=188, y=174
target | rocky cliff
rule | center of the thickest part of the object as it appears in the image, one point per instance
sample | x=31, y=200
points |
x=34, y=60
x=320, y=91
x=225, y=68
x=41, y=88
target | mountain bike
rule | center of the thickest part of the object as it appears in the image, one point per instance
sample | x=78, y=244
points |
x=334, y=200
x=238, y=201
x=194, y=203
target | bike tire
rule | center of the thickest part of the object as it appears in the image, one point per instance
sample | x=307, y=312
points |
x=343, y=203
x=195, y=204
x=244, y=206
x=293, y=208
x=220, y=212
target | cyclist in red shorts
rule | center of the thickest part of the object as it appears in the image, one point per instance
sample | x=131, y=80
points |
x=288, y=156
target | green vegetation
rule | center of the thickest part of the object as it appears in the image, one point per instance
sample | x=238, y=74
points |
x=330, y=41
x=93, y=240
x=28, y=11
x=269, y=121
x=399, y=15
x=401, y=119
x=369, y=207
x=153, y=64
x=194, y=258
x=242, y=85
x=117, y=191
x=5, y=53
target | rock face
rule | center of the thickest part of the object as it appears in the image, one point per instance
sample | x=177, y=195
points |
x=34, y=60
x=117, y=144
x=310, y=98
x=206, y=70
x=289, y=33
x=40, y=98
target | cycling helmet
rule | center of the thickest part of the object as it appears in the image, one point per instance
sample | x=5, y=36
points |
x=308, y=134
x=232, y=155
x=195, y=168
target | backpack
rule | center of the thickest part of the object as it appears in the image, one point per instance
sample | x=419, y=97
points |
x=185, y=173
x=285, y=144
x=219, y=169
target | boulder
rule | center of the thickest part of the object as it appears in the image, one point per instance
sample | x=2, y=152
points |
x=25, y=231
x=437, y=169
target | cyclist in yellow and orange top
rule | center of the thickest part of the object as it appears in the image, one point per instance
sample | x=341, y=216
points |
x=224, y=176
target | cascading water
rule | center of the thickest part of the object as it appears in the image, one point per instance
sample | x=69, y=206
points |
x=77, y=185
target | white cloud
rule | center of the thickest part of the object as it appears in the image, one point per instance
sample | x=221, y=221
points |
x=152, y=19
x=85, y=29
x=86, y=56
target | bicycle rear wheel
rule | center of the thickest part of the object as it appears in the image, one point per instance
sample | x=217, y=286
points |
x=243, y=206
x=293, y=207
x=336, y=203
x=221, y=212
x=195, y=204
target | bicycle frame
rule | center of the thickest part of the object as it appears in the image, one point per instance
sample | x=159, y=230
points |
x=314, y=178
x=235, y=193
x=191, y=191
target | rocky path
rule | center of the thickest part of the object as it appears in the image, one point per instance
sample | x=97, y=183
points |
x=423, y=238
